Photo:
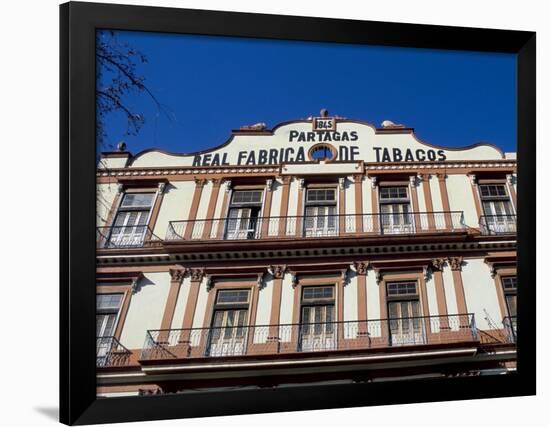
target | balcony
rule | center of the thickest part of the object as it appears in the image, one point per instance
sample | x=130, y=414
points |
x=110, y=352
x=257, y=228
x=497, y=224
x=268, y=340
x=123, y=237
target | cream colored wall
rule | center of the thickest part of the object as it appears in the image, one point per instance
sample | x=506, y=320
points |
x=349, y=196
x=422, y=204
x=292, y=205
x=175, y=205
x=450, y=294
x=350, y=304
x=373, y=304
x=437, y=202
x=205, y=200
x=461, y=198
x=481, y=294
x=373, y=296
x=200, y=309
x=179, y=311
x=146, y=309
x=263, y=311
x=366, y=187
x=106, y=194
x=432, y=297
x=275, y=206
x=287, y=306
x=112, y=162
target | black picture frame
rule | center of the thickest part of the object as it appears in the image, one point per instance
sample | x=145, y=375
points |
x=78, y=22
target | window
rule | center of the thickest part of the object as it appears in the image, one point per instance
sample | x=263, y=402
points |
x=107, y=311
x=130, y=224
x=510, y=288
x=320, y=212
x=229, y=323
x=404, y=314
x=395, y=212
x=232, y=297
x=107, y=308
x=497, y=209
x=317, y=318
x=243, y=216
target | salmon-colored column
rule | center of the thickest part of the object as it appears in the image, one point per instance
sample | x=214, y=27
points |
x=416, y=209
x=284, y=205
x=266, y=215
x=358, y=183
x=475, y=195
x=170, y=307
x=300, y=214
x=342, y=206
x=361, y=270
x=428, y=201
x=437, y=273
x=278, y=273
x=375, y=217
x=209, y=220
x=442, y=178
x=512, y=190
x=199, y=185
x=223, y=211
x=456, y=266
x=196, y=275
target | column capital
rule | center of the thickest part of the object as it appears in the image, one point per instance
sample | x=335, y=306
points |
x=438, y=263
x=269, y=184
x=200, y=182
x=177, y=274
x=196, y=274
x=277, y=271
x=473, y=178
x=361, y=267
x=161, y=188
x=455, y=263
x=441, y=176
x=373, y=181
x=342, y=183
x=227, y=184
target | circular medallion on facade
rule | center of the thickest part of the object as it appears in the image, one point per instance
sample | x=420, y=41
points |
x=322, y=152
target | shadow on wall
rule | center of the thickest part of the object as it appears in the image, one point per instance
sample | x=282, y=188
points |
x=51, y=412
x=142, y=282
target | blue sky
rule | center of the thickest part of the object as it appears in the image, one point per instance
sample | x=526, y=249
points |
x=215, y=84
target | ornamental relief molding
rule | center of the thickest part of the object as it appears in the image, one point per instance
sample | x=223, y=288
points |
x=456, y=263
x=152, y=171
x=361, y=267
x=196, y=274
x=177, y=274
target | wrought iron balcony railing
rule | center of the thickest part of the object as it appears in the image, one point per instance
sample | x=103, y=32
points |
x=497, y=224
x=254, y=228
x=510, y=326
x=308, y=337
x=110, y=352
x=125, y=236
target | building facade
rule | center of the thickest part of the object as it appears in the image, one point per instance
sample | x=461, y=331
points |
x=322, y=250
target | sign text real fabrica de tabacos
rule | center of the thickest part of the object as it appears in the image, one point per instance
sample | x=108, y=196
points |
x=345, y=153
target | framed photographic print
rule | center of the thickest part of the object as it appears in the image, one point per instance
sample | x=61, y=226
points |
x=268, y=213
